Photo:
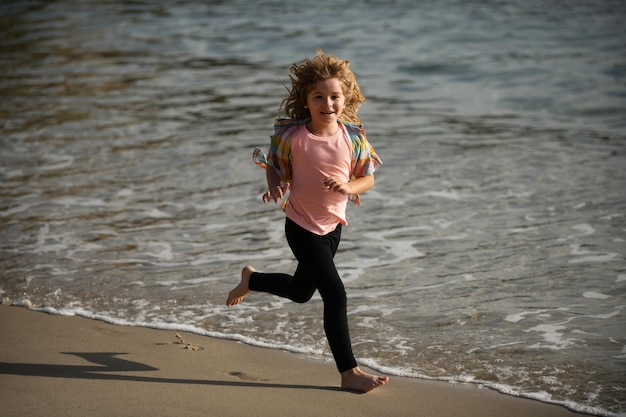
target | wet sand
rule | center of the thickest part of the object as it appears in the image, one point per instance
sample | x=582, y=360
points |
x=72, y=366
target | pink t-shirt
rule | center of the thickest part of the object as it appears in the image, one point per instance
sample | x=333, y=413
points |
x=315, y=158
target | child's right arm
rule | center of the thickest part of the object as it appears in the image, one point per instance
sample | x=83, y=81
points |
x=275, y=191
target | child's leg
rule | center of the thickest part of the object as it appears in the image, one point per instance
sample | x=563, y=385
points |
x=316, y=270
x=315, y=264
x=315, y=255
x=299, y=287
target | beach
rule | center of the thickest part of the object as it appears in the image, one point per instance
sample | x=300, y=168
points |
x=72, y=366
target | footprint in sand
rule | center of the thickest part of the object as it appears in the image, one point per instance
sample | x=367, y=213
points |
x=245, y=377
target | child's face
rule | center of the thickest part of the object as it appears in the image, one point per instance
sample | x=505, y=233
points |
x=326, y=101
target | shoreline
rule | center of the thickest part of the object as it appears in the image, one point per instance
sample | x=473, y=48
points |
x=74, y=366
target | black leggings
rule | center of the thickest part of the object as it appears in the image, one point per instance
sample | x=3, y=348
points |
x=316, y=271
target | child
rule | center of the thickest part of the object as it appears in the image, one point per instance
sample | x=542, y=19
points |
x=322, y=156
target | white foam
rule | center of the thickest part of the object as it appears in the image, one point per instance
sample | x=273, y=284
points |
x=612, y=216
x=596, y=295
x=605, y=316
x=529, y=218
x=58, y=162
x=392, y=250
x=205, y=259
x=607, y=257
x=17, y=209
x=126, y=192
x=553, y=338
x=442, y=223
x=395, y=249
x=155, y=213
x=585, y=229
x=163, y=250
x=104, y=232
x=43, y=236
x=187, y=283
x=514, y=318
x=11, y=173
x=83, y=202
x=492, y=347
x=446, y=194
x=589, y=256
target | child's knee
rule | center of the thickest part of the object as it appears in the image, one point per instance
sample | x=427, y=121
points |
x=302, y=297
x=335, y=299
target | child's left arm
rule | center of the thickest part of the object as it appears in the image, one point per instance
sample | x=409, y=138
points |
x=354, y=187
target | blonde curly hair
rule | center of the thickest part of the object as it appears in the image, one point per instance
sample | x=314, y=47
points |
x=323, y=67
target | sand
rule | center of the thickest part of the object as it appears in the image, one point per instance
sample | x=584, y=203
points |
x=72, y=366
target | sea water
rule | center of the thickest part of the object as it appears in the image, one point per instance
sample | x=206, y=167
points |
x=490, y=251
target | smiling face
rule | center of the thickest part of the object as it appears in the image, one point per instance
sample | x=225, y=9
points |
x=325, y=102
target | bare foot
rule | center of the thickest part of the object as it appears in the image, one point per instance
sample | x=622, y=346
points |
x=235, y=296
x=357, y=380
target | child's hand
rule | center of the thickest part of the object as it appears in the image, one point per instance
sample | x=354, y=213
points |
x=275, y=193
x=335, y=184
